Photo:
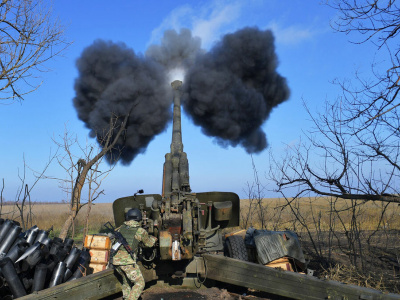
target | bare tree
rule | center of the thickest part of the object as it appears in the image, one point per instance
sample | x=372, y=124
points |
x=257, y=204
x=95, y=179
x=86, y=168
x=22, y=204
x=29, y=36
x=340, y=160
x=351, y=158
x=378, y=22
x=352, y=150
x=356, y=139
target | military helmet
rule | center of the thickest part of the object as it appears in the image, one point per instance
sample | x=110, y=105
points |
x=133, y=214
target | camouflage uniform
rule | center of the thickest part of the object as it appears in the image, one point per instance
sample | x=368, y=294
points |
x=126, y=266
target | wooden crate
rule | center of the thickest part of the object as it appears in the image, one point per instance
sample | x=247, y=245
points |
x=100, y=242
x=99, y=256
x=281, y=263
x=94, y=268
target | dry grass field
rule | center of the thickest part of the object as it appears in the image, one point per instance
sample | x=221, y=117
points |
x=353, y=242
x=47, y=215
x=317, y=212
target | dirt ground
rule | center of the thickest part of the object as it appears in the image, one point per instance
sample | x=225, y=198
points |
x=156, y=293
x=379, y=260
x=170, y=293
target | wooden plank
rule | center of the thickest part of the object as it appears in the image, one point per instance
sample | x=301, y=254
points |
x=283, y=283
x=95, y=286
x=224, y=269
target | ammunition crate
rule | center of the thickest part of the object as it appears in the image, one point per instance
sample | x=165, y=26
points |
x=94, y=268
x=283, y=263
x=99, y=242
x=99, y=256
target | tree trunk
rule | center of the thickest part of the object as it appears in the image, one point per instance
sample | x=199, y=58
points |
x=67, y=225
x=86, y=229
x=75, y=202
x=83, y=170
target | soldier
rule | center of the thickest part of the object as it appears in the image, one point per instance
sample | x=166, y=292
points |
x=125, y=264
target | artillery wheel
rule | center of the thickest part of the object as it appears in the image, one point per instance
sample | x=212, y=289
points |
x=236, y=248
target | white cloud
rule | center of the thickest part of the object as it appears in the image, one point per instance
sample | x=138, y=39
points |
x=209, y=26
x=207, y=21
x=180, y=17
x=290, y=35
x=210, y=20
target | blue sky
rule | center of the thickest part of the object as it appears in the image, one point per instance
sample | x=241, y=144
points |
x=311, y=56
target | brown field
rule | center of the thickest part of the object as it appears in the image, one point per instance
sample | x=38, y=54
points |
x=349, y=241
x=316, y=213
x=352, y=242
x=315, y=210
x=47, y=215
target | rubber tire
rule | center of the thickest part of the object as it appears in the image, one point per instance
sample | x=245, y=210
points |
x=236, y=248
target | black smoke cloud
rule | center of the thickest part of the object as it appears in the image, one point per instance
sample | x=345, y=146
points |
x=231, y=90
x=114, y=80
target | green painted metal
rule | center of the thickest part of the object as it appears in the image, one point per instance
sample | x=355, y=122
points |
x=122, y=205
x=220, y=197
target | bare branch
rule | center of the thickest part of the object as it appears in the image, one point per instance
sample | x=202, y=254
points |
x=29, y=37
x=86, y=169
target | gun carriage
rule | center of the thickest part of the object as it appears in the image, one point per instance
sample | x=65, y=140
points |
x=184, y=222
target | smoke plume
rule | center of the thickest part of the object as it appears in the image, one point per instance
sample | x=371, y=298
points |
x=232, y=89
x=177, y=51
x=229, y=91
x=113, y=80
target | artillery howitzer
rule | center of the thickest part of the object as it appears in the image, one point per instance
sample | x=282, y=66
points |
x=184, y=222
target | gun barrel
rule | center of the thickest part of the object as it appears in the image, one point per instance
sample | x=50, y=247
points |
x=176, y=166
x=176, y=144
